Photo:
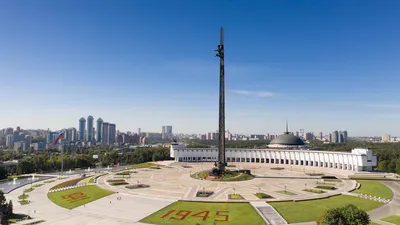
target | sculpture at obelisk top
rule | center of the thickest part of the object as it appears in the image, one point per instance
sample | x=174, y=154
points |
x=221, y=128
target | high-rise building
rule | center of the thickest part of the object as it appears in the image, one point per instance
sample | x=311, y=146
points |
x=345, y=135
x=73, y=134
x=139, y=131
x=105, y=133
x=49, y=137
x=10, y=140
x=335, y=136
x=89, y=128
x=82, y=125
x=163, y=132
x=112, y=133
x=99, y=129
x=169, y=130
x=386, y=138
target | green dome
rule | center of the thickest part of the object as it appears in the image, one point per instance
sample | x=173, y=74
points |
x=287, y=139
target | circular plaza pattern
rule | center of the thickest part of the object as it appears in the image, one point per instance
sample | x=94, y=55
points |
x=173, y=182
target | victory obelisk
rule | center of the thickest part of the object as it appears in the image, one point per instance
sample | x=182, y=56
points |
x=221, y=128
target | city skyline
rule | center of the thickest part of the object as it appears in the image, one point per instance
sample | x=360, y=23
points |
x=320, y=65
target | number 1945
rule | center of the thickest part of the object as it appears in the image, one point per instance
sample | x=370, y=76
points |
x=221, y=216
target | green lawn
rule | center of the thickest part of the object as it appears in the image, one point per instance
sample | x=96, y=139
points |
x=204, y=213
x=286, y=192
x=395, y=219
x=305, y=211
x=75, y=197
x=374, y=188
x=142, y=165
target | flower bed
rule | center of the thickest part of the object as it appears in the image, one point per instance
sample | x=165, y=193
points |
x=68, y=183
x=137, y=186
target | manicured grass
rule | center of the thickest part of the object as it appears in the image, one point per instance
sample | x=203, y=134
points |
x=286, y=192
x=369, y=178
x=29, y=189
x=325, y=187
x=204, y=213
x=72, y=182
x=23, y=196
x=75, y=197
x=49, y=181
x=16, y=217
x=86, y=180
x=374, y=188
x=263, y=195
x=24, y=202
x=142, y=165
x=35, y=222
x=235, y=196
x=305, y=211
x=38, y=185
x=372, y=223
x=395, y=219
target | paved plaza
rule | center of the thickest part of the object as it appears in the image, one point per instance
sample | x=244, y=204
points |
x=173, y=182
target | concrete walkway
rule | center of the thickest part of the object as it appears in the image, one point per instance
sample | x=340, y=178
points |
x=392, y=208
x=269, y=213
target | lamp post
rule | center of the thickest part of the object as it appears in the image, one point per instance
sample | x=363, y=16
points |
x=285, y=188
x=305, y=186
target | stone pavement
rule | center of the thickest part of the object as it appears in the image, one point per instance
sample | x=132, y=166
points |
x=129, y=210
x=269, y=213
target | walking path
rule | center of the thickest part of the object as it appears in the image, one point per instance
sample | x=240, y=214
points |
x=392, y=208
x=269, y=213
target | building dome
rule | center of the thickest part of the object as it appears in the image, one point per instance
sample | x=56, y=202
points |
x=287, y=139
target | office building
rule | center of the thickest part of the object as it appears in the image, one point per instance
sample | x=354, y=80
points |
x=105, y=133
x=99, y=129
x=82, y=129
x=89, y=128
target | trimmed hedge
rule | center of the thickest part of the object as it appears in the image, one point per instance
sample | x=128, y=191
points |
x=326, y=187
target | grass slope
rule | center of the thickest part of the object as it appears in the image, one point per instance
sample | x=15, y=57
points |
x=374, y=188
x=82, y=195
x=238, y=214
x=305, y=211
x=395, y=219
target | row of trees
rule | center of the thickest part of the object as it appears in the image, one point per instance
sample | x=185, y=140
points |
x=51, y=161
x=6, y=209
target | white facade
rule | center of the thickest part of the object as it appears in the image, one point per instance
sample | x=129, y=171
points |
x=358, y=160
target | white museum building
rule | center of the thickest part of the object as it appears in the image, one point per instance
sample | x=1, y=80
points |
x=285, y=149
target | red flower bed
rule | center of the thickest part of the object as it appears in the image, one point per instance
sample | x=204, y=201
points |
x=68, y=183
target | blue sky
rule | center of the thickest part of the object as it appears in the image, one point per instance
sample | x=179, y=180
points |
x=321, y=65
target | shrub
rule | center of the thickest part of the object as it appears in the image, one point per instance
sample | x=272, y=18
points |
x=115, y=180
x=137, y=186
x=348, y=214
x=329, y=177
x=204, y=193
x=326, y=187
x=316, y=191
x=118, y=183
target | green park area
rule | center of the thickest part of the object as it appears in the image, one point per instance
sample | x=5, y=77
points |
x=205, y=213
x=395, y=219
x=374, y=188
x=305, y=211
x=142, y=165
x=75, y=197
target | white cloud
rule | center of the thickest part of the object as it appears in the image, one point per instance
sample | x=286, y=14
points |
x=262, y=94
